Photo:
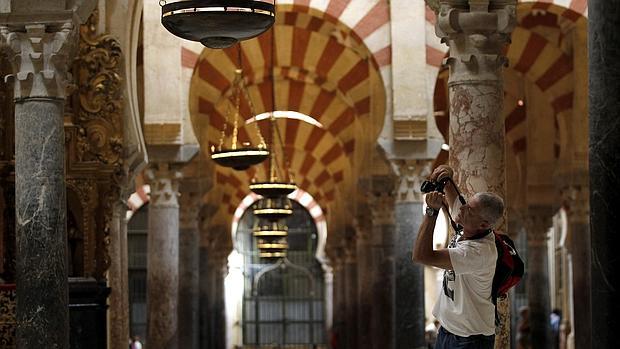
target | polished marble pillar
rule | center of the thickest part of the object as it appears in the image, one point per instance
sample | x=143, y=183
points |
x=204, y=307
x=604, y=103
x=575, y=197
x=163, y=257
x=538, y=223
x=40, y=56
x=118, y=277
x=189, y=264
x=350, y=302
x=336, y=257
x=409, y=276
x=476, y=32
x=364, y=282
x=382, y=254
x=219, y=268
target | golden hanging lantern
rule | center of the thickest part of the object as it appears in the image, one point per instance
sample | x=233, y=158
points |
x=239, y=156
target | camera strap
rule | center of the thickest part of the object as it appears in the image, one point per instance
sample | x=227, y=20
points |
x=457, y=227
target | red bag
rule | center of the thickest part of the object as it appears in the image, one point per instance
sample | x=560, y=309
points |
x=509, y=269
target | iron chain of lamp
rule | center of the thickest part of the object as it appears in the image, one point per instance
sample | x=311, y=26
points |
x=244, y=156
x=271, y=232
x=217, y=23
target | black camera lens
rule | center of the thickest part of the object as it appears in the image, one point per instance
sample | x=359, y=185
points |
x=430, y=186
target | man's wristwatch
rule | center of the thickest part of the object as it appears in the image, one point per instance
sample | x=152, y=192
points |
x=431, y=212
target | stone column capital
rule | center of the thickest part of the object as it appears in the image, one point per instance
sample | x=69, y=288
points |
x=538, y=220
x=381, y=208
x=411, y=174
x=337, y=258
x=574, y=189
x=42, y=59
x=164, y=180
x=350, y=252
x=190, y=199
x=475, y=31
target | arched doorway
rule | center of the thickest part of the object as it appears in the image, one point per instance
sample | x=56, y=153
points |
x=283, y=302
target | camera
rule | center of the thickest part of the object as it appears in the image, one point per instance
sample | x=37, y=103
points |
x=430, y=186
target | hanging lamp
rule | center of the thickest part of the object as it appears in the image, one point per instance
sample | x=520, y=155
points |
x=275, y=206
x=271, y=239
x=277, y=185
x=239, y=157
x=218, y=23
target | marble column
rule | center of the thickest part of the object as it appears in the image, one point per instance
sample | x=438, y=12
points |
x=364, y=282
x=603, y=37
x=476, y=32
x=189, y=264
x=40, y=76
x=538, y=223
x=409, y=276
x=163, y=257
x=218, y=316
x=204, y=298
x=382, y=241
x=337, y=263
x=350, y=285
x=118, y=278
x=576, y=197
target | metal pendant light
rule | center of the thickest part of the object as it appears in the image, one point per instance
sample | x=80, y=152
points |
x=239, y=157
x=217, y=23
x=271, y=233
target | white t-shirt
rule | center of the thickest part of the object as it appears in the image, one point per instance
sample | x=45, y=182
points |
x=464, y=306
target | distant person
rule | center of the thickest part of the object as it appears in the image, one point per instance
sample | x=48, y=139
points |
x=523, y=328
x=135, y=343
x=464, y=308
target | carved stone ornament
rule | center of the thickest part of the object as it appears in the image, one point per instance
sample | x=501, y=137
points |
x=40, y=64
x=100, y=96
x=164, y=181
x=190, y=208
x=476, y=38
x=411, y=174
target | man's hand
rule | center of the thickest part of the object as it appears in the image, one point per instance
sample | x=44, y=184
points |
x=435, y=200
x=445, y=171
x=442, y=171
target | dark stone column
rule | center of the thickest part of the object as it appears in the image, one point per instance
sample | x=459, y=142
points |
x=336, y=257
x=364, y=289
x=220, y=270
x=204, y=299
x=409, y=284
x=41, y=57
x=604, y=53
x=163, y=258
x=382, y=204
x=189, y=265
x=538, y=223
x=575, y=194
x=350, y=284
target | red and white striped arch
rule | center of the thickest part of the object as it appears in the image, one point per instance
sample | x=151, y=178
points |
x=325, y=67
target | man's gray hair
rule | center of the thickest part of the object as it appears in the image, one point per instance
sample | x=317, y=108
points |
x=491, y=207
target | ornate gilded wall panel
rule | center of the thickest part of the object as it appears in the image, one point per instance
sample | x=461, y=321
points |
x=93, y=126
x=7, y=316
